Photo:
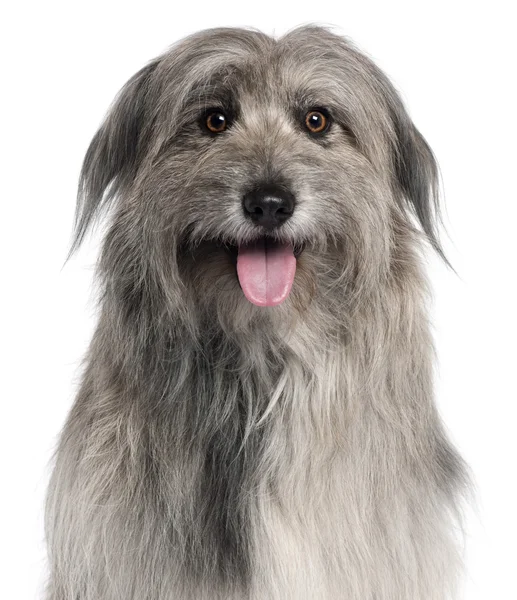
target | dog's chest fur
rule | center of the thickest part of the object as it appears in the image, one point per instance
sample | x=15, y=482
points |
x=332, y=498
x=261, y=472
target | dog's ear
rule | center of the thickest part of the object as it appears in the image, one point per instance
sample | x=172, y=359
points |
x=417, y=176
x=114, y=153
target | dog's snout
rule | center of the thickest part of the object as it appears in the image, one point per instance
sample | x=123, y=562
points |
x=269, y=205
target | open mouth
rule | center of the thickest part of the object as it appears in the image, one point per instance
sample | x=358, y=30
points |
x=266, y=270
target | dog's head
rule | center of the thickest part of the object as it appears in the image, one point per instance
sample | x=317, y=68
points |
x=245, y=170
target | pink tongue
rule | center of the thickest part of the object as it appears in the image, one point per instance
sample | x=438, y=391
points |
x=266, y=272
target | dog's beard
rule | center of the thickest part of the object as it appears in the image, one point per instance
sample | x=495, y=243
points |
x=322, y=293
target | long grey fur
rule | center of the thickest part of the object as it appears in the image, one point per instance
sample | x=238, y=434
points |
x=218, y=450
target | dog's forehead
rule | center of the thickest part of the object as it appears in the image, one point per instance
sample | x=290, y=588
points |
x=277, y=76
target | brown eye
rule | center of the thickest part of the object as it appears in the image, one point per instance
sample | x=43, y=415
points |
x=216, y=122
x=316, y=121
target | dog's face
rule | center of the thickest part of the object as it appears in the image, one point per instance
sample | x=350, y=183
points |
x=252, y=171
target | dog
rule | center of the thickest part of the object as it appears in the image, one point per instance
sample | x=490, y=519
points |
x=256, y=417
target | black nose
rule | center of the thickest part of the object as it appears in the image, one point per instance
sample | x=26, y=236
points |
x=268, y=205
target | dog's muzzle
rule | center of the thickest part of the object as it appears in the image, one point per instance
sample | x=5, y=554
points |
x=266, y=268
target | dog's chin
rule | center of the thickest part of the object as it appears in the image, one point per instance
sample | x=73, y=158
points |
x=262, y=270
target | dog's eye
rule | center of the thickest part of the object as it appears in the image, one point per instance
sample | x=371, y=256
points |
x=216, y=121
x=317, y=121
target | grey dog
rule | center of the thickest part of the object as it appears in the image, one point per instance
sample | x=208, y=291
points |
x=256, y=416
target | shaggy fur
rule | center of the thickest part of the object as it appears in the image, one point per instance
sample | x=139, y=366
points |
x=218, y=450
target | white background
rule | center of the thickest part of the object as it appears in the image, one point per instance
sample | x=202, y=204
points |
x=62, y=63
